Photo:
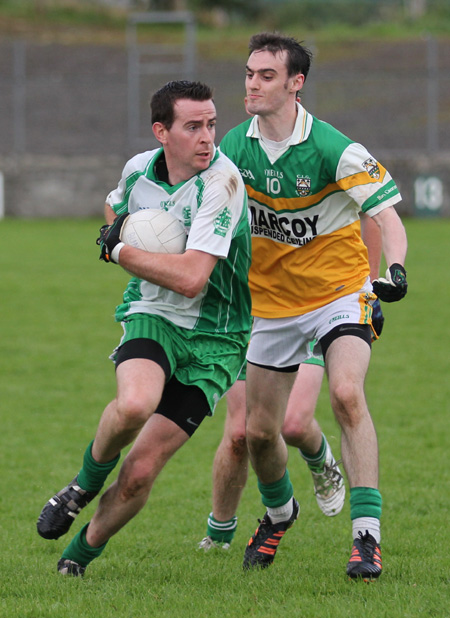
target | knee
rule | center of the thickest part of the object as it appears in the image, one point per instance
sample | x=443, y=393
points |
x=260, y=439
x=348, y=402
x=233, y=445
x=135, y=479
x=237, y=445
x=293, y=430
x=133, y=411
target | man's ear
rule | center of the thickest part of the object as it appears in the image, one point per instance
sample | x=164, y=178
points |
x=160, y=132
x=297, y=82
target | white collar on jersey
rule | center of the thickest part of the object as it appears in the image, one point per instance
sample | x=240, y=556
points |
x=301, y=131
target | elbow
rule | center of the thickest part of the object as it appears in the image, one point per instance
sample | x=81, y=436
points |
x=192, y=287
x=190, y=292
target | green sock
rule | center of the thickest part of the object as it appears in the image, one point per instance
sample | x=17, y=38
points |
x=365, y=502
x=278, y=493
x=80, y=551
x=93, y=475
x=221, y=531
x=316, y=460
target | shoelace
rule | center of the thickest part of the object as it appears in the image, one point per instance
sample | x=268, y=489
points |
x=330, y=477
x=368, y=545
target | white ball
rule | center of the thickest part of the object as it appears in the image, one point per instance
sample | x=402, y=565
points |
x=154, y=230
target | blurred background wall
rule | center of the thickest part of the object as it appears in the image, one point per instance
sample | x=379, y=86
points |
x=74, y=94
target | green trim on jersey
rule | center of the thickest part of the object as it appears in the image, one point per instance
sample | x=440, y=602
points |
x=316, y=160
x=324, y=145
x=224, y=305
x=389, y=190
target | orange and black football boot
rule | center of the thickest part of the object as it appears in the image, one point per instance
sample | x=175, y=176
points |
x=262, y=547
x=365, y=561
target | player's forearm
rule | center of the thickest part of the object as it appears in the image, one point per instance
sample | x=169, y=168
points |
x=393, y=236
x=110, y=215
x=371, y=236
x=185, y=273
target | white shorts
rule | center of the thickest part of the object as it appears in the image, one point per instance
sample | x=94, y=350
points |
x=284, y=342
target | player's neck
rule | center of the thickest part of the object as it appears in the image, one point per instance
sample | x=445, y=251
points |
x=278, y=127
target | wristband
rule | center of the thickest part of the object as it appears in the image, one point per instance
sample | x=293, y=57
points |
x=116, y=251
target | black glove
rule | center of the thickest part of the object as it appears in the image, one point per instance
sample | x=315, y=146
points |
x=394, y=287
x=110, y=237
x=377, y=317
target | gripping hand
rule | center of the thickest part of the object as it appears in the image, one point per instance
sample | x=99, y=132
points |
x=109, y=240
x=394, y=287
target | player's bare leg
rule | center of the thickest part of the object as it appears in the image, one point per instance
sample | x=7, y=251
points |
x=156, y=444
x=158, y=441
x=267, y=398
x=140, y=383
x=230, y=472
x=230, y=469
x=300, y=428
x=302, y=431
x=347, y=360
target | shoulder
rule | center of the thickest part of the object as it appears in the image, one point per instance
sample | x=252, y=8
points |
x=140, y=162
x=223, y=177
x=221, y=166
x=225, y=164
x=235, y=135
x=328, y=137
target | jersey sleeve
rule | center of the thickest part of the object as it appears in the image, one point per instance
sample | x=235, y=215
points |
x=223, y=206
x=134, y=168
x=365, y=180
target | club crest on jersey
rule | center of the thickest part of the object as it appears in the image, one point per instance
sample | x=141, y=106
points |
x=371, y=167
x=222, y=222
x=303, y=185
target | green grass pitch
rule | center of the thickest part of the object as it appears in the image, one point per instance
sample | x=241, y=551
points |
x=56, y=332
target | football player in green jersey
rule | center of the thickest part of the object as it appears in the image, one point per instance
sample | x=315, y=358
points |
x=186, y=319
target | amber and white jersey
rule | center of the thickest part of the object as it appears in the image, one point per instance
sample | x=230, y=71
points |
x=306, y=240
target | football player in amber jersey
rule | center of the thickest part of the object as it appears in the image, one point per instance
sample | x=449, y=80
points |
x=307, y=184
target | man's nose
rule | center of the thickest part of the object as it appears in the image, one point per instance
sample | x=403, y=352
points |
x=205, y=134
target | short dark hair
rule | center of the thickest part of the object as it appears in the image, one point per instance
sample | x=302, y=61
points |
x=299, y=57
x=163, y=101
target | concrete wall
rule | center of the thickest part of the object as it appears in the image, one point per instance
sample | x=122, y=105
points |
x=43, y=186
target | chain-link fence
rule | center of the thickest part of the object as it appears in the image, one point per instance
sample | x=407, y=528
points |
x=70, y=115
x=82, y=99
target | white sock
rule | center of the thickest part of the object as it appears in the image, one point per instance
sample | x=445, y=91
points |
x=281, y=513
x=369, y=524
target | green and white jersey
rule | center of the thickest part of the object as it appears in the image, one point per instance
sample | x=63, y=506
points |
x=307, y=249
x=212, y=206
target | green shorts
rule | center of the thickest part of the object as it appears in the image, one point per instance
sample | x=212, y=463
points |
x=315, y=358
x=210, y=361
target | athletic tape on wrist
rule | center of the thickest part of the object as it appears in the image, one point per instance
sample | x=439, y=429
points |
x=115, y=252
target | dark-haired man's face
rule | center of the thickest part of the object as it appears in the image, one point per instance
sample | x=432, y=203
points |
x=268, y=87
x=189, y=143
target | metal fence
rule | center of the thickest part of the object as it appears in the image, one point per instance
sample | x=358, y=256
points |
x=60, y=99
